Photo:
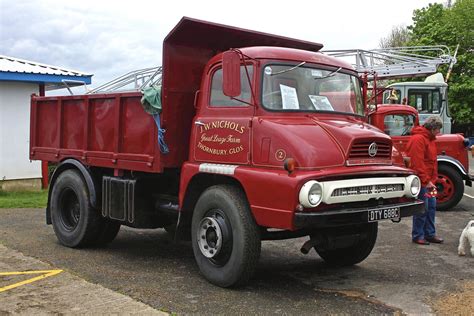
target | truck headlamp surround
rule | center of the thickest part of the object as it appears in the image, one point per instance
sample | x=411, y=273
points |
x=415, y=185
x=311, y=194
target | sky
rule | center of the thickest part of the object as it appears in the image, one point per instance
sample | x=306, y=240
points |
x=110, y=38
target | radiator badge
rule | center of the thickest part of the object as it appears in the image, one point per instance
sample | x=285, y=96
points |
x=373, y=149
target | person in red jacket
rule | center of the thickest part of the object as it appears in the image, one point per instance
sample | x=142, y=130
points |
x=421, y=149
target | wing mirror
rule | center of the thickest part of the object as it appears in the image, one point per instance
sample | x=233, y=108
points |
x=231, y=85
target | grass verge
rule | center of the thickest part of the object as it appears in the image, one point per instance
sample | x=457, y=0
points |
x=23, y=199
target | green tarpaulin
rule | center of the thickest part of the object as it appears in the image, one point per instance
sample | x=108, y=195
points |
x=151, y=100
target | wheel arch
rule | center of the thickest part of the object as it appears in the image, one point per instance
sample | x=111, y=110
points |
x=197, y=185
x=87, y=175
x=452, y=162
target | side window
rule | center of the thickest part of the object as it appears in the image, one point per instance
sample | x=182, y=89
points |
x=425, y=101
x=217, y=95
x=398, y=124
x=436, y=102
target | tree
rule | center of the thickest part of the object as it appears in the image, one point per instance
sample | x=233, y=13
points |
x=439, y=25
x=398, y=37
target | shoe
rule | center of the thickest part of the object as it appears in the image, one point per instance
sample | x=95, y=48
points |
x=421, y=242
x=435, y=239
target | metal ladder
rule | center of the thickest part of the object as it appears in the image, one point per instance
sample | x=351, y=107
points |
x=396, y=62
x=136, y=80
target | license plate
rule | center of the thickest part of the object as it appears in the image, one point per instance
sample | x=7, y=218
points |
x=384, y=213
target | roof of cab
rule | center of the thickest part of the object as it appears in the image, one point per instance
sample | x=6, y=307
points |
x=289, y=54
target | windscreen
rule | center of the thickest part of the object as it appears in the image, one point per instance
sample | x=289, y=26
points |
x=310, y=89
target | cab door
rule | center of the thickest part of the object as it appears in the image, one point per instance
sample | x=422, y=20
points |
x=222, y=127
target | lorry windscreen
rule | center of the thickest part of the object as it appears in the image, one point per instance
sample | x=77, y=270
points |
x=310, y=89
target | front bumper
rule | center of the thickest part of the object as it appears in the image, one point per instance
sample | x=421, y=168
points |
x=351, y=216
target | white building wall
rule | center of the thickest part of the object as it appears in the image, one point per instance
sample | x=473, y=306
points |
x=15, y=131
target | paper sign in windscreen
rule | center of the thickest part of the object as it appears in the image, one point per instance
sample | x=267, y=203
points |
x=289, y=98
x=321, y=103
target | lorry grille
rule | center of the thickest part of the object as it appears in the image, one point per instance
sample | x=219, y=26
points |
x=368, y=189
x=360, y=150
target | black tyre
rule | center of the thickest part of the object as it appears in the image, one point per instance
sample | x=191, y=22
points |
x=450, y=188
x=75, y=222
x=346, y=246
x=225, y=237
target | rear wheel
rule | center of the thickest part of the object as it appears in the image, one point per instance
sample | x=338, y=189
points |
x=75, y=222
x=345, y=246
x=225, y=237
x=450, y=188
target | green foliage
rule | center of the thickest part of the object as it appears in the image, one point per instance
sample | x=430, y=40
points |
x=439, y=25
x=398, y=37
x=23, y=199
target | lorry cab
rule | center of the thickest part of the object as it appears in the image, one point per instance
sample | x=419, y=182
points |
x=428, y=97
x=396, y=121
x=281, y=103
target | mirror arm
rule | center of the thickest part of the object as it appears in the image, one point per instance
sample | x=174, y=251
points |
x=242, y=58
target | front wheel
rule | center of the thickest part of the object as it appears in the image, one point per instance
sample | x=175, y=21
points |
x=225, y=237
x=450, y=188
x=346, y=246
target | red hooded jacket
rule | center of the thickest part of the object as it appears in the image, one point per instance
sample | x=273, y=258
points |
x=421, y=148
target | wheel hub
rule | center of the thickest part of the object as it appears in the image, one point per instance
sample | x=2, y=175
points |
x=445, y=189
x=70, y=209
x=209, y=237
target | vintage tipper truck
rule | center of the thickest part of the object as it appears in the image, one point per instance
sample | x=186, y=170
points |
x=266, y=141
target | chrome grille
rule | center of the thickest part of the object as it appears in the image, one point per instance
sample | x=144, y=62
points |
x=360, y=150
x=368, y=189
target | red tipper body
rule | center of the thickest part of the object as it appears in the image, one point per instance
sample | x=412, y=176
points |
x=421, y=149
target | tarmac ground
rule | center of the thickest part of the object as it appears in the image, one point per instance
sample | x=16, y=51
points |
x=145, y=272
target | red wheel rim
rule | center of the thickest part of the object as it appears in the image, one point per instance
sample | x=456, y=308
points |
x=445, y=188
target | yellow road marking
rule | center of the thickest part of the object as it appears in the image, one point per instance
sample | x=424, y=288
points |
x=44, y=274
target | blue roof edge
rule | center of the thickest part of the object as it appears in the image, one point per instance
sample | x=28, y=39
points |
x=41, y=78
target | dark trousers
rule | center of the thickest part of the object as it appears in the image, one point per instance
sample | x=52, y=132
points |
x=424, y=224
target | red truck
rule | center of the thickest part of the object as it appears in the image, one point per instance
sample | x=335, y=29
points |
x=397, y=120
x=266, y=139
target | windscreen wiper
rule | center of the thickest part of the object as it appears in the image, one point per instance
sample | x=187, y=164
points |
x=289, y=69
x=329, y=74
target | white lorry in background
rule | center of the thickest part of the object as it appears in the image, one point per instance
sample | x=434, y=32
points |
x=428, y=97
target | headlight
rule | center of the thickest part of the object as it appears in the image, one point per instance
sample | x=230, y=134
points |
x=415, y=185
x=311, y=194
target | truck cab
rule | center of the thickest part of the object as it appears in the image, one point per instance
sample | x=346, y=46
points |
x=428, y=97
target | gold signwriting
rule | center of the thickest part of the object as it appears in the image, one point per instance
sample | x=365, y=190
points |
x=223, y=124
x=209, y=140
x=219, y=139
